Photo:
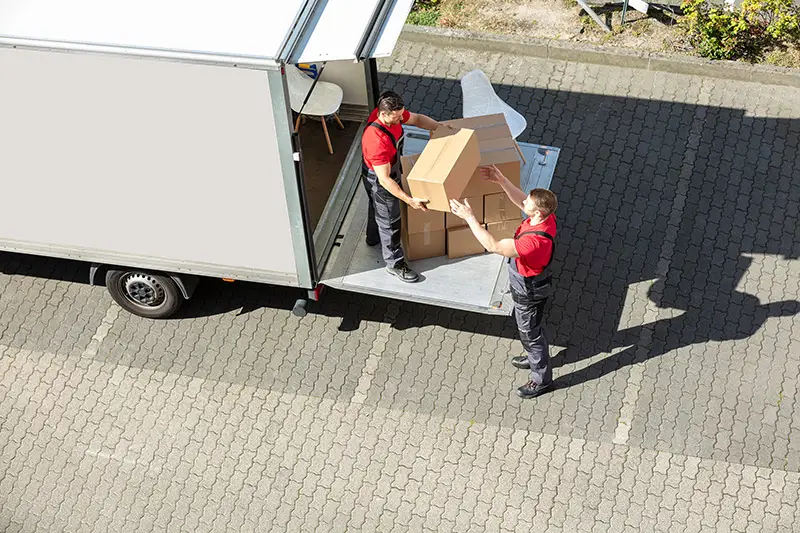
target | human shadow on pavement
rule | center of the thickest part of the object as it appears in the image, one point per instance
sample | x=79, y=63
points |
x=675, y=195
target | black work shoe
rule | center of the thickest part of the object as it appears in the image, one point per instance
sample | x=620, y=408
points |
x=402, y=272
x=372, y=243
x=520, y=361
x=531, y=389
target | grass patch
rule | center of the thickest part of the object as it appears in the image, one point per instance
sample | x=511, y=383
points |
x=428, y=17
x=790, y=57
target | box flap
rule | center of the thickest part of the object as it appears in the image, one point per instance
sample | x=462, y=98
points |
x=485, y=127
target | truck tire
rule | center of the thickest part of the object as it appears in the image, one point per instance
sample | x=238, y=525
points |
x=143, y=293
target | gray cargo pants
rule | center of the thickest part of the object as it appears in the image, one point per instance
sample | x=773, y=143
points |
x=529, y=301
x=383, y=219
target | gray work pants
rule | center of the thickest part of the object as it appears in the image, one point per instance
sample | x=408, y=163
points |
x=529, y=301
x=383, y=219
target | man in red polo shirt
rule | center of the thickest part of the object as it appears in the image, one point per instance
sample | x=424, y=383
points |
x=381, y=147
x=530, y=253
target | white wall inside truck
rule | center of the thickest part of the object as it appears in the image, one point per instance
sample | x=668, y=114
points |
x=350, y=77
x=144, y=158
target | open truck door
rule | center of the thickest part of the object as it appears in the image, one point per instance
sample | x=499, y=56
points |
x=476, y=283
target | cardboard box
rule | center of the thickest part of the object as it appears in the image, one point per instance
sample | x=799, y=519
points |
x=423, y=232
x=443, y=169
x=503, y=230
x=461, y=242
x=406, y=164
x=425, y=244
x=476, y=202
x=499, y=207
x=416, y=220
x=497, y=147
x=485, y=127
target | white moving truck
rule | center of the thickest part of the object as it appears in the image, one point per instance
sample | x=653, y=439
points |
x=155, y=141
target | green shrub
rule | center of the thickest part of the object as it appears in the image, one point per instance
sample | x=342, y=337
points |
x=744, y=33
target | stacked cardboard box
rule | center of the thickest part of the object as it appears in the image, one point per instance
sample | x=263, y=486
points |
x=502, y=217
x=449, y=168
x=497, y=147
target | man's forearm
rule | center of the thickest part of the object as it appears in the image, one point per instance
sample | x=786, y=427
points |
x=514, y=193
x=483, y=236
x=390, y=185
x=426, y=122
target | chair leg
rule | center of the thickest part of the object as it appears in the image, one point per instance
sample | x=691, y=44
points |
x=297, y=124
x=338, y=120
x=524, y=162
x=327, y=137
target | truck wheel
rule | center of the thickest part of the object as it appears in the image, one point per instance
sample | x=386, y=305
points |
x=144, y=294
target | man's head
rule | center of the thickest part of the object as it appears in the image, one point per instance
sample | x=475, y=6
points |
x=540, y=204
x=390, y=108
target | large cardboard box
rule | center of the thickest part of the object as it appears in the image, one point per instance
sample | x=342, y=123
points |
x=461, y=242
x=498, y=207
x=497, y=147
x=476, y=202
x=503, y=230
x=443, y=169
x=423, y=232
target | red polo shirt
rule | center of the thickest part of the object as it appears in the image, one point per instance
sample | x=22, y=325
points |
x=376, y=146
x=534, y=250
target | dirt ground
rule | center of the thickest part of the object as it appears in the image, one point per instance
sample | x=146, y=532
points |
x=657, y=31
x=564, y=19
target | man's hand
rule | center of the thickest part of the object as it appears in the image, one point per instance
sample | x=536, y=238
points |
x=460, y=210
x=447, y=126
x=493, y=174
x=418, y=203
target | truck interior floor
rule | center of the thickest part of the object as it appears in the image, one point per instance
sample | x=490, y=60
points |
x=321, y=169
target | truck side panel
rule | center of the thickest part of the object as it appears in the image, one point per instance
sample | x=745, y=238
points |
x=174, y=165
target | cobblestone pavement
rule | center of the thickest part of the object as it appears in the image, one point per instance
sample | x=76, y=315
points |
x=675, y=325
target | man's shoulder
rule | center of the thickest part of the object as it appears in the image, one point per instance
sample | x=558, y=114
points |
x=548, y=226
x=373, y=135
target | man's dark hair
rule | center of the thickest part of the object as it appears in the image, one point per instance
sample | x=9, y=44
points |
x=390, y=101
